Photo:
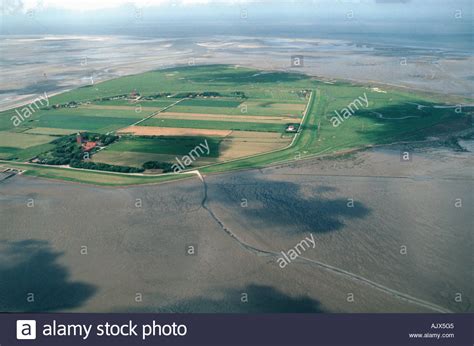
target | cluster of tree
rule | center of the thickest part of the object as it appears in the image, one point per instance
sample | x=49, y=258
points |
x=303, y=93
x=165, y=166
x=111, y=98
x=240, y=94
x=155, y=96
x=75, y=104
x=104, y=167
x=101, y=139
x=209, y=94
x=197, y=94
x=57, y=161
x=67, y=149
x=72, y=104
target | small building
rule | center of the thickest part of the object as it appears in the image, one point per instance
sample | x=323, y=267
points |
x=79, y=138
x=291, y=128
x=134, y=95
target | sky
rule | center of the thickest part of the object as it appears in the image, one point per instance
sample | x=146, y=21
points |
x=109, y=16
x=407, y=6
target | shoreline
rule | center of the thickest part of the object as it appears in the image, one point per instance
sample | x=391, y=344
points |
x=286, y=70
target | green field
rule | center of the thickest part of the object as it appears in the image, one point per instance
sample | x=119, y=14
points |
x=21, y=146
x=215, y=125
x=135, y=151
x=165, y=145
x=87, y=123
x=211, y=103
x=91, y=177
x=160, y=103
x=251, y=110
x=392, y=115
x=50, y=131
x=22, y=140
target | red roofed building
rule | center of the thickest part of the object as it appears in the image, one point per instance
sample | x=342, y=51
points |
x=87, y=146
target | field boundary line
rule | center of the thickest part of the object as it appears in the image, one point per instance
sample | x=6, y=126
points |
x=151, y=115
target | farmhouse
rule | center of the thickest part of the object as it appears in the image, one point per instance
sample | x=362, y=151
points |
x=134, y=95
x=87, y=146
x=291, y=128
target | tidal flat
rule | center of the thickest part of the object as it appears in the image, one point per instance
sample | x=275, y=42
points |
x=388, y=238
x=32, y=65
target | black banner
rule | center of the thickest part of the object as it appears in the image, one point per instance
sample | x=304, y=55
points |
x=236, y=329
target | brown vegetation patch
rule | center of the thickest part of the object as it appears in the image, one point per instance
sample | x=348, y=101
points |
x=172, y=131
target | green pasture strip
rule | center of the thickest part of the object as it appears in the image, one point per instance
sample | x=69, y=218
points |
x=22, y=140
x=91, y=177
x=96, y=124
x=250, y=110
x=166, y=145
x=211, y=103
x=215, y=125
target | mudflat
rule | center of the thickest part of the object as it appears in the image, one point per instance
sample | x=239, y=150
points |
x=388, y=238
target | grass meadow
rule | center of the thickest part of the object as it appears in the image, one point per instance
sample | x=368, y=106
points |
x=392, y=115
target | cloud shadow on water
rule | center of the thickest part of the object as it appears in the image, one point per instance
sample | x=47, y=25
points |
x=261, y=299
x=31, y=266
x=298, y=207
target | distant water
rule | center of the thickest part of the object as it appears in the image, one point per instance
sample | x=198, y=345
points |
x=462, y=42
x=34, y=64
